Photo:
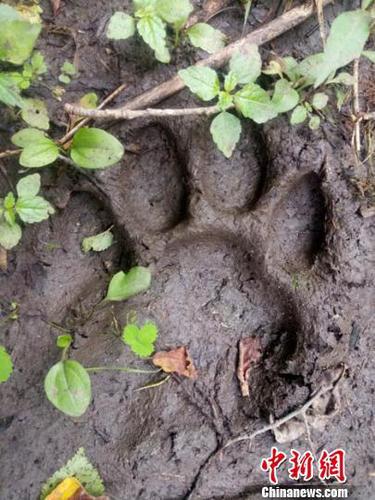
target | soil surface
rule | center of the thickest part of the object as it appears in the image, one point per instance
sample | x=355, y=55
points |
x=269, y=244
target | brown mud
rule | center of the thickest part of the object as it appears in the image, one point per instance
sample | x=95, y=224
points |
x=269, y=243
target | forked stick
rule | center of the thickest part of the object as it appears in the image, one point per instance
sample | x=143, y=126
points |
x=259, y=36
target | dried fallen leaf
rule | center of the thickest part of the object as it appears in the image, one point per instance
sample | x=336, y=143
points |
x=250, y=352
x=56, y=4
x=176, y=361
x=3, y=259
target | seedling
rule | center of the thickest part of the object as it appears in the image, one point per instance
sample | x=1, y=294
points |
x=98, y=242
x=68, y=70
x=27, y=206
x=140, y=339
x=151, y=19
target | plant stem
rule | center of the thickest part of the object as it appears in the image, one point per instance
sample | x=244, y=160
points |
x=129, y=114
x=119, y=369
x=10, y=152
x=155, y=384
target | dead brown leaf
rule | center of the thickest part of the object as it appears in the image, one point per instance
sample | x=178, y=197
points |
x=3, y=259
x=176, y=361
x=250, y=352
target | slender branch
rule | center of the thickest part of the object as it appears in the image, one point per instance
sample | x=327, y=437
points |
x=119, y=369
x=270, y=427
x=10, y=152
x=259, y=36
x=129, y=114
x=356, y=108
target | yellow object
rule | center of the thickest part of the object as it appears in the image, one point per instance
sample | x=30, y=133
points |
x=65, y=490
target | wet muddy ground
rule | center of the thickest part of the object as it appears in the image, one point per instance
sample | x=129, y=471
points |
x=269, y=243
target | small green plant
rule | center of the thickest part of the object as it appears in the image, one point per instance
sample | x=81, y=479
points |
x=6, y=365
x=27, y=206
x=295, y=88
x=68, y=70
x=79, y=467
x=151, y=19
x=125, y=285
x=140, y=339
x=98, y=242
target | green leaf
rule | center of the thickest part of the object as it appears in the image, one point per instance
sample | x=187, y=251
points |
x=89, y=101
x=80, y=468
x=230, y=81
x=68, y=68
x=226, y=130
x=68, y=387
x=254, y=102
x=284, y=97
x=203, y=82
x=98, y=243
x=343, y=78
x=17, y=40
x=9, y=201
x=64, y=79
x=152, y=30
x=33, y=209
x=121, y=26
x=366, y=4
x=319, y=100
x=314, y=122
x=28, y=186
x=10, y=91
x=6, y=365
x=43, y=152
x=7, y=13
x=141, y=340
x=290, y=68
x=309, y=68
x=370, y=54
x=205, y=37
x=225, y=100
x=27, y=137
x=299, y=115
x=94, y=148
x=64, y=341
x=125, y=285
x=10, y=235
x=246, y=64
x=38, y=64
x=347, y=38
x=173, y=11
x=35, y=113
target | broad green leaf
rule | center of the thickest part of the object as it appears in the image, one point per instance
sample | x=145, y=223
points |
x=205, y=37
x=226, y=130
x=94, y=148
x=141, y=340
x=319, y=100
x=68, y=387
x=254, y=102
x=10, y=91
x=309, y=68
x=284, y=97
x=6, y=365
x=7, y=13
x=17, y=40
x=121, y=26
x=34, y=112
x=370, y=54
x=9, y=235
x=290, y=68
x=98, y=243
x=314, y=122
x=299, y=115
x=68, y=68
x=246, y=64
x=173, y=11
x=64, y=341
x=346, y=40
x=39, y=154
x=203, y=82
x=28, y=186
x=125, y=285
x=152, y=30
x=343, y=78
x=33, y=209
x=225, y=101
x=27, y=137
x=80, y=468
